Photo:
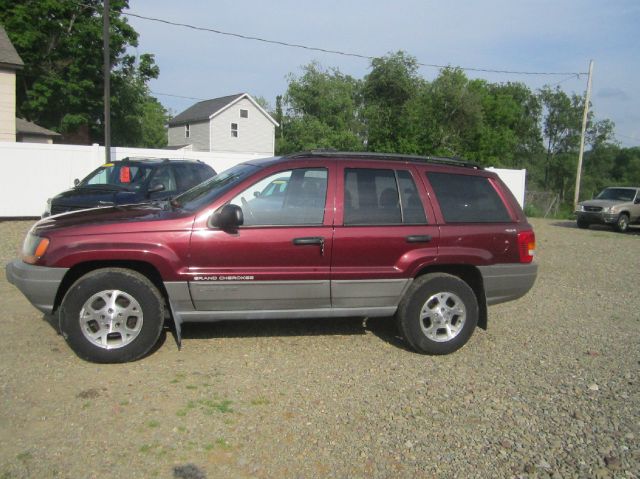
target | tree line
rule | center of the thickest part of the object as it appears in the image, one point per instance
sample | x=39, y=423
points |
x=391, y=109
x=508, y=125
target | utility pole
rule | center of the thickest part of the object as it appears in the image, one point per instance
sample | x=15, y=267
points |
x=107, y=81
x=587, y=99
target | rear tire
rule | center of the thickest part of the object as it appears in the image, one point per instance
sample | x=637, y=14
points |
x=112, y=315
x=438, y=314
x=622, y=224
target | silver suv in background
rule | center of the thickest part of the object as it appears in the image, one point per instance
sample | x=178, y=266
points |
x=617, y=206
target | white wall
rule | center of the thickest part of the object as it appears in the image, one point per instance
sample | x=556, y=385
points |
x=515, y=180
x=33, y=172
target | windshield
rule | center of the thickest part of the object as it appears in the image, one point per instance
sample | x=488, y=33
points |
x=206, y=192
x=118, y=175
x=617, y=194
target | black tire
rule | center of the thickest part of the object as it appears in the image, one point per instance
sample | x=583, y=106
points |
x=446, y=293
x=136, y=309
x=622, y=224
x=582, y=224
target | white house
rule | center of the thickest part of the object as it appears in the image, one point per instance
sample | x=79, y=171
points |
x=233, y=123
x=11, y=127
x=10, y=61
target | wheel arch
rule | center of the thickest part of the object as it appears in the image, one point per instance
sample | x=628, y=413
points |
x=79, y=270
x=470, y=275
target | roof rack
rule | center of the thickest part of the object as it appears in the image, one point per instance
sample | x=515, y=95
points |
x=438, y=160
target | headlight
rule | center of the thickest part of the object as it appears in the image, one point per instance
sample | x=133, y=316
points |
x=580, y=208
x=34, y=248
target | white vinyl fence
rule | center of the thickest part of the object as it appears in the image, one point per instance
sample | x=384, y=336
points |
x=34, y=172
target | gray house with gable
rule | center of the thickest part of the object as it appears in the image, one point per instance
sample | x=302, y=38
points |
x=233, y=123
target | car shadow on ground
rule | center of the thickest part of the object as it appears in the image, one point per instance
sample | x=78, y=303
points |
x=53, y=321
x=633, y=230
x=383, y=328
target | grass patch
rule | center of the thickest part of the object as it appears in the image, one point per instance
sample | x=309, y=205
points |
x=25, y=456
x=260, y=401
x=191, y=386
x=153, y=423
x=222, y=443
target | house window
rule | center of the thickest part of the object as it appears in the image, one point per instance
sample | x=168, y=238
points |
x=234, y=130
x=187, y=132
x=244, y=113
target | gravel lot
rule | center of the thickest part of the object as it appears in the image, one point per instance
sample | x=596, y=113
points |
x=552, y=389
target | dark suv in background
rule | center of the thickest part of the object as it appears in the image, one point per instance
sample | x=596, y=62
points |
x=429, y=241
x=130, y=181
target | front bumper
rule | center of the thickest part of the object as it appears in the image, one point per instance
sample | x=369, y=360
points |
x=598, y=217
x=38, y=283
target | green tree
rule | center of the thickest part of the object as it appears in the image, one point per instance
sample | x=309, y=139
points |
x=390, y=93
x=322, y=111
x=61, y=86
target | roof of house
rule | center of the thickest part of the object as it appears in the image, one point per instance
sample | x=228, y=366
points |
x=8, y=55
x=207, y=109
x=24, y=127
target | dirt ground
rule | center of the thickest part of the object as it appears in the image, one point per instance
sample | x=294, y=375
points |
x=552, y=389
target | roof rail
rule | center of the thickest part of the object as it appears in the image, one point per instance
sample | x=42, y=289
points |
x=438, y=160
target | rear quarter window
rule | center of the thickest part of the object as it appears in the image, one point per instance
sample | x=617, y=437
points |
x=468, y=199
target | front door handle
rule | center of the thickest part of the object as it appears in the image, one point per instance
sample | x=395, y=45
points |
x=418, y=238
x=310, y=240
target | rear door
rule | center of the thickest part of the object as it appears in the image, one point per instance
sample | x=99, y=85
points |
x=280, y=258
x=384, y=233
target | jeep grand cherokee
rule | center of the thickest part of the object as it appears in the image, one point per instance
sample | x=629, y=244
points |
x=429, y=241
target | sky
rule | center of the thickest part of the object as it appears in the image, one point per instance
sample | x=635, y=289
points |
x=514, y=35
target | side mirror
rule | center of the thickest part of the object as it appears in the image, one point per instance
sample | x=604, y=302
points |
x=155, y=188
x=637, y=201
x=76, y=182
x=229, y=217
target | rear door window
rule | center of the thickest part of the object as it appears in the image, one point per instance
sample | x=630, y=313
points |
x=381, y=197
x=468, y=199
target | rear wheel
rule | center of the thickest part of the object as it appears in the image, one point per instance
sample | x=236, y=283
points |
x=112, y=315
x=438, y=314
x=622, y=224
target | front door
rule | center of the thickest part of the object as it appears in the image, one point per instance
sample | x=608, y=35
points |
x=280, y=258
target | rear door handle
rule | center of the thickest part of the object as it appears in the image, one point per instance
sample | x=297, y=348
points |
x=418, y=238
x=310, y=240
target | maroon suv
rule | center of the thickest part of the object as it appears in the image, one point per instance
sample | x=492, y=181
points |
x=431, y=241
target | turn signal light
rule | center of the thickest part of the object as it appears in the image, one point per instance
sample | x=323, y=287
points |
x=526, y=246
x=39, y=251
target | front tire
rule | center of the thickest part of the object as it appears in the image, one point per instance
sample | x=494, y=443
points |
x=622, y=224
x=438, y=314
x=112, y=315
x=582, y=224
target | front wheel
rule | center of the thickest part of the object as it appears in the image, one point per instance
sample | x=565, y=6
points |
x=112, y=315
x=582, y=224
x=438, y=314
x=622, y=224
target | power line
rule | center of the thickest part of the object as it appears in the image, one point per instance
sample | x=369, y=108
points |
x=178, y=96
x=337, y=52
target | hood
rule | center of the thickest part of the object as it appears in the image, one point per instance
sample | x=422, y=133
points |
x=602, y=203
x=91, y=196
x=138, y=217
